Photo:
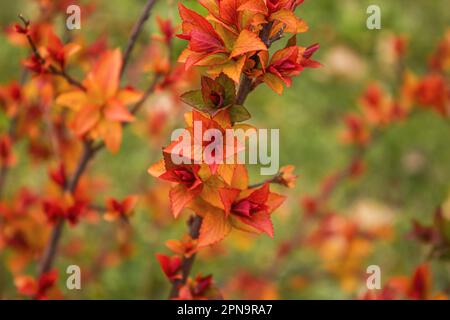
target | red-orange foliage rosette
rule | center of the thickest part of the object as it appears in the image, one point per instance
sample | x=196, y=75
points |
x=232, y=46
x=101, y=109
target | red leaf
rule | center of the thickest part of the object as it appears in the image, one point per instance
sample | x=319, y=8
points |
x=260, y=221
x=170, y=265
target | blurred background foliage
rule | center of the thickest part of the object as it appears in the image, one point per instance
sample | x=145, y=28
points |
x=407, y=166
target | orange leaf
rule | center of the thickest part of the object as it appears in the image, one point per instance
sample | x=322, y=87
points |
x=215, y=227
x=247, y=42
x=116, y=111
x=226, y=171
x=86, y=119
x=274, y=201
x=292, y=23
x=232, y=68
x=73, y=99
x=128, y=96
x=157, y=169
x=275, y=83
x=112, y=134
x=240, y=177
x=257, y=6
x=228, y=11
x=104, y=78
x=210, y=191
x=180, y=196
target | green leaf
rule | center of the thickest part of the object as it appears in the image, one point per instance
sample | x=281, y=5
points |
x=238, y=113
x=229, y=88
x=194, y=99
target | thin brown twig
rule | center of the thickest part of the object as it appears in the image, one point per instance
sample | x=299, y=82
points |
x=51, y=68
x=274, y=180
x=135, y=109
x=89, y=151
x=51, y=248
x=135, y=33
x=276, y=37
x=194, y=224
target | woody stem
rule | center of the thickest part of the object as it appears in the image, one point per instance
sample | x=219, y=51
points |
x=194, y=223
x=246, y=85
x=244, y=89
x=52, y=246
x=135, y=33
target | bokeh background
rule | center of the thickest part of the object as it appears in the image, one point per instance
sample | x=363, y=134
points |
x=407, y=167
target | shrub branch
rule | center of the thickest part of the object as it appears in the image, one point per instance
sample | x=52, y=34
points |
x=90, y=149
x=246, y=86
